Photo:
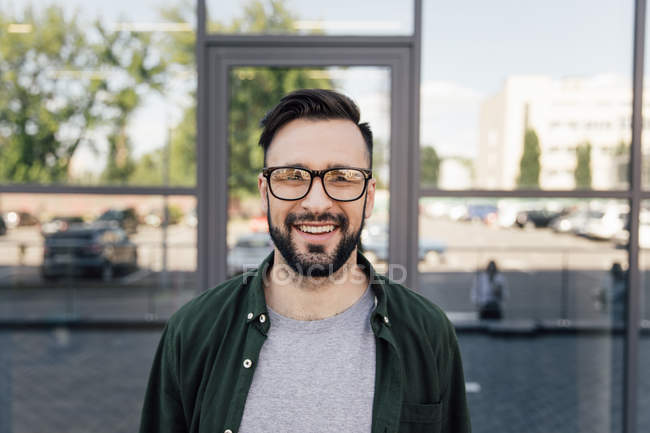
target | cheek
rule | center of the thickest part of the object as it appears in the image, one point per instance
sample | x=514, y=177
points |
x=355, y=216
x=279, y=212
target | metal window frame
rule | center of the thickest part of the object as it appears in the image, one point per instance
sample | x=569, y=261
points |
x=217, y=53
x=631, y=357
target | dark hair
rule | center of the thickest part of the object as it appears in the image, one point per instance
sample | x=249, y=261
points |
x=312, y=104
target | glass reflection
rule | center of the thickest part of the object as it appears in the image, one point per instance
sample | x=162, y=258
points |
x=535, y=289
x=102, y=77
x=543, y=113
x=643, y=394
x=72, y=255
x=336, y=17
x=555, y=260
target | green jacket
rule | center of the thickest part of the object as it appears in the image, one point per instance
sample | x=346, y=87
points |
x=208, y=351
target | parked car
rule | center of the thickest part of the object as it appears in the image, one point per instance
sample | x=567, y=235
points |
x=126, y=219
x=60, y=224
x=3, y=226
x=259, y=224
x=248, y=252
x=605, y=225
x=20, y=219
x=536, y=218
x=374, y=242
x=570, y=222
x=485, y=213
x=98, y=249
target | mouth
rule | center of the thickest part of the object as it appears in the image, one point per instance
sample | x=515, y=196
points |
x=316, y=232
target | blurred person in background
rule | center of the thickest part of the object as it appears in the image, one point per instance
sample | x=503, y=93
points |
x=312, y=340
x=488, y=292
x=610, y=297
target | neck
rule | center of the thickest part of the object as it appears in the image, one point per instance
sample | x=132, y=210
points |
x=309, y=298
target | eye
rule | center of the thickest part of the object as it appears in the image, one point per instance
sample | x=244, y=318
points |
x=345, y=176
x=290, y=174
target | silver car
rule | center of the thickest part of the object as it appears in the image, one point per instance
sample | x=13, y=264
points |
x=248, y=252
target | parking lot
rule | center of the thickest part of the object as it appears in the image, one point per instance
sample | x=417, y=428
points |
x=550, y=275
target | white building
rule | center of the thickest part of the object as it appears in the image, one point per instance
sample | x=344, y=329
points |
x=455, y=173
x=564, y=113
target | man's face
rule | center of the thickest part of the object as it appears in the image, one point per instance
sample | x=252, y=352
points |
x=317, y=145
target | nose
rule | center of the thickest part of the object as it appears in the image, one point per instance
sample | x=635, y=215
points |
x=317, y=200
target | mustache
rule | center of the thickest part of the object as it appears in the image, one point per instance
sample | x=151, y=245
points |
x=293, y=219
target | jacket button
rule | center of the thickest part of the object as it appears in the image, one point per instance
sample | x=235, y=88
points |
x=248, y=363
x=385, y=319
x=228, y=431
x=250, y=316
x=262, y=318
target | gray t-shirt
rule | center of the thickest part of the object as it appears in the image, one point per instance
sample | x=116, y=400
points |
x=315, y=376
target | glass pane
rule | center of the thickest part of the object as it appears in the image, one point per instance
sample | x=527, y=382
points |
x=550, y=107
x=37, y=365
x=644, y=314
x=336, y=17
x=254, y=91
x=96, y=256
x=111, y=90
x=546, y=320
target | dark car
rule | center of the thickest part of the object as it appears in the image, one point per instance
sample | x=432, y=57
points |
x=60, y=224
x=536, y=218
x=3, y=226
x=99, y=250
x=126, y=219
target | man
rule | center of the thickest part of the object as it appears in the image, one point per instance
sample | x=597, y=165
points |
x=313, y=340
x=489, y=291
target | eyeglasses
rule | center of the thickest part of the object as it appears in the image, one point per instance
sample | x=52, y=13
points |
x=339, y=183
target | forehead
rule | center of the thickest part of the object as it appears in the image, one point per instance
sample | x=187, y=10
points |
x=318, y=144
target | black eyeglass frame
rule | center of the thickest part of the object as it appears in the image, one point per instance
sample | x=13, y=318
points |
x=367, y=175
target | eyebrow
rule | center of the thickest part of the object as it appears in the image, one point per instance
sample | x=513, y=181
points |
x=331, y=165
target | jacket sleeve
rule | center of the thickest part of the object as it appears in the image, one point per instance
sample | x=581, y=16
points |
x=162, y=411
x=455, y=412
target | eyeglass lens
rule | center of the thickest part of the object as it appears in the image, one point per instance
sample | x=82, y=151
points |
x=340, y=184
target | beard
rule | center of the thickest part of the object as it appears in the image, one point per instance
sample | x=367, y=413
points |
x=315, y=262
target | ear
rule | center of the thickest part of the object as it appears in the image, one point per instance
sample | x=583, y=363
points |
x=262, y=187
x=370, y=201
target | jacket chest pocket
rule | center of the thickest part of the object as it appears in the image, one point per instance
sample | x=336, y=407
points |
x=419, y=418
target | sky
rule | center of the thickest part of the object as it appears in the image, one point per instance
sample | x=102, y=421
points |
x=468, y=50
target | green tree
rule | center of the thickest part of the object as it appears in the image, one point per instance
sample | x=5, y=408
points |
x=34, y=66
x=529, y=165
x=56, y=93
x=429, y=166
x=253, y=92
x=582, y=173
x=142, y=70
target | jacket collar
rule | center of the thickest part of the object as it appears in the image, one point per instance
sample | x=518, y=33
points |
x=257, y=300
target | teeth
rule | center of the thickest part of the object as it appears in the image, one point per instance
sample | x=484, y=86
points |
x=316, y=229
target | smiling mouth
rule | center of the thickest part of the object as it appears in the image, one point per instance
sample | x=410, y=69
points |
x=316, y=229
